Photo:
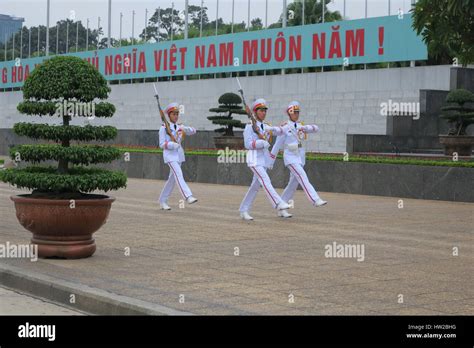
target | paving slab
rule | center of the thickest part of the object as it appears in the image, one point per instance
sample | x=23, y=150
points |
x=220, y=264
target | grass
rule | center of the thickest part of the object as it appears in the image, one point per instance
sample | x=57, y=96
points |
x=442, y=162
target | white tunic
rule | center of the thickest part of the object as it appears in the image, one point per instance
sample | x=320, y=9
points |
x=293, y=143
x=171, y=151
x=257, y=154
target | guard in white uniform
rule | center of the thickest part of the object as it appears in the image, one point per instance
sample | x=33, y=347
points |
x=173, y=155
x=294, y=156
x=259, y=159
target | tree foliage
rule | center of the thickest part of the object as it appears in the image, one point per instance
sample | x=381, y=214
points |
x=57, y=82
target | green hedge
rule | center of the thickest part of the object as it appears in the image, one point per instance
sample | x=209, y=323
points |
x=75, y=154
x=78, y=179
x=337, y=158
x=58, y=133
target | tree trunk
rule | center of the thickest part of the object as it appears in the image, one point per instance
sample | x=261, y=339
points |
x=63, y=164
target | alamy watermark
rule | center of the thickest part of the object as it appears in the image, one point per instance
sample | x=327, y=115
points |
x=231, y=156
x=393, y=108
x=336, y=250
x=20, y=251
x=68, y=108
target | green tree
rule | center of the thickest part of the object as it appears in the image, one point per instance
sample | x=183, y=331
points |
x=447, y=27
x=229, y=104
x=65, y=87
x=313, y=13
x=459, y=111
x=168, y=20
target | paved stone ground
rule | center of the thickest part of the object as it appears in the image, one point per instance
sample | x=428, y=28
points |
x=190, y=252
x=15, y=303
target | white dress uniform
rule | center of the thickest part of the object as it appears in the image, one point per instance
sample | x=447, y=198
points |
x=173, y=155
x=294, y=157
x=259, y=159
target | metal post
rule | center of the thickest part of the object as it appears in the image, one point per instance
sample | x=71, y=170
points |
x=39, y=31
x=47, y=27
x=200, y=29
x=67, y=36
x=13, y=50
x=57, y=37
x=248, y=15
x=29, y=44
x=6, y=47
x=302, y=11
x=133, y=27
x=232, y=23
x=109, y=27
x=77, y=36
x=146, y=23
x=159, y=23
x=217, y=16
x=87, y=35
x=120, y=30
x=21, y=42
x=172, y=19
x=98, y=32
x=324, y=10
x=266, y=14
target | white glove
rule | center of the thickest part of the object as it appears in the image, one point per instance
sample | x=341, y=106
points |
x=262, y=144
x=189, y=130
x=310, y=129
x=173, y=146
x=292, y=147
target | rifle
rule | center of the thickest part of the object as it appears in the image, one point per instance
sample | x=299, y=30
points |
x=249, y=113
x=163, y=117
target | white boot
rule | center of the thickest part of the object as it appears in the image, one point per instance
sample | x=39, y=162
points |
x=320, y=202
x=284, y=214
x=245, y=215
x=191, y=200
x=165, y=206
x=283, y=206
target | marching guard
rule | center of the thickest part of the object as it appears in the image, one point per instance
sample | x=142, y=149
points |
x=170, y=137
x=257, y=137
x=294, y=156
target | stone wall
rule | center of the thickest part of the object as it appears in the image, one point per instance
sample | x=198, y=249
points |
x=340, y=102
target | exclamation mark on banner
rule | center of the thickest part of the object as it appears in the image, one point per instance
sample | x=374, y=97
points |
x=381, y=37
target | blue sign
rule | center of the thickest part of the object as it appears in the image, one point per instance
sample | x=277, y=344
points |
x=372, y=40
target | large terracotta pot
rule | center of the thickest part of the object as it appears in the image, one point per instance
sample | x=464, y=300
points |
x=63, y=228
x=235, y=143
x=462, y=144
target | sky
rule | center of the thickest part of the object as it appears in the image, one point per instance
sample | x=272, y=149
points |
x=34, y=11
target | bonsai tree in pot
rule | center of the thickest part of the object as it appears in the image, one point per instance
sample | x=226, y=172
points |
x=229, y=104
x=61, y=212
x=459, y=112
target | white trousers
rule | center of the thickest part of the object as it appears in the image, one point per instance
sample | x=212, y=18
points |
x=298, y=177
x=176, y=176
x=260, y=178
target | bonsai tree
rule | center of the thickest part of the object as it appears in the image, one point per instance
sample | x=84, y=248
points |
x=66, y=216
x=460, y=111
x=64, y=87
x=229, y=104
